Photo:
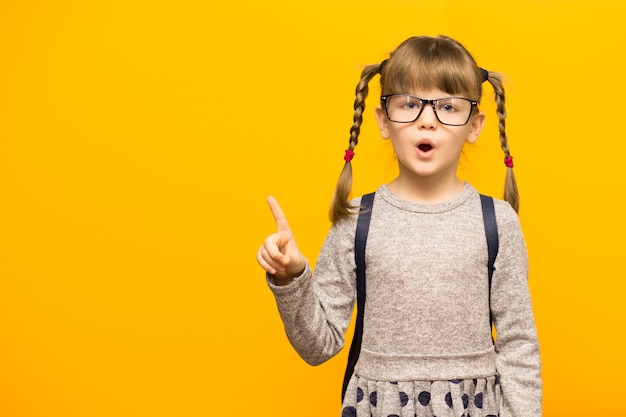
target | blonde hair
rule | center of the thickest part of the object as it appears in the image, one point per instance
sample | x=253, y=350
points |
x=425, y=63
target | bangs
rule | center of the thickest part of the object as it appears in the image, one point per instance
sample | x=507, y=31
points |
x=422, y=64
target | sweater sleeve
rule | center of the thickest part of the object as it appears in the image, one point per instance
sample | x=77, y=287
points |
x=517, y=348
x=316, y=308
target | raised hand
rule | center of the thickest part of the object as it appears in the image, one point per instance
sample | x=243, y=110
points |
x=279, y=254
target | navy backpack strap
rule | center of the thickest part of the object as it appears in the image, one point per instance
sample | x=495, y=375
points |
x=360, y=239
x=491, y=233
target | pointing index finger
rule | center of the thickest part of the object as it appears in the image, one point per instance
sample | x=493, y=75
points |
x=279, y=216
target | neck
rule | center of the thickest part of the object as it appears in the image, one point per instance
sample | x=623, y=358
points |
x=425, y=190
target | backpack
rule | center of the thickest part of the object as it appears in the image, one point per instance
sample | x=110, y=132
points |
x=360, y=239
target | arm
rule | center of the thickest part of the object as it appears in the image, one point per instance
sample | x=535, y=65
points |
x=517, y=347
x=315, y=309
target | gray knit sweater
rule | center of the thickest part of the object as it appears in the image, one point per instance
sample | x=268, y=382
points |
x=427, y=309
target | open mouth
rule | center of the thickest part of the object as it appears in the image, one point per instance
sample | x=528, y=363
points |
x=424, y=147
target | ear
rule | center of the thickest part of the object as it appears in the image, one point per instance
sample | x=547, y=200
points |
x=477, y=123
x=383, y=123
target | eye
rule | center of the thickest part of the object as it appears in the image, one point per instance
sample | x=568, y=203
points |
x=447, y=107
x=410, y=105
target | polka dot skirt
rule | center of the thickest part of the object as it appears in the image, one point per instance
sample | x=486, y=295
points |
x=454, y=398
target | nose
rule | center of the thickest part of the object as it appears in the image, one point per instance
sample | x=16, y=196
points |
x=428, y=118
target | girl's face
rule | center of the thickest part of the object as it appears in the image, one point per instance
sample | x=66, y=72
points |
x=426, y=147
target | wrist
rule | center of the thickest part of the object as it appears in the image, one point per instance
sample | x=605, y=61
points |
x=281, y=279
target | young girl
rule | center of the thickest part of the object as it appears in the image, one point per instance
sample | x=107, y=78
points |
x=427, y=347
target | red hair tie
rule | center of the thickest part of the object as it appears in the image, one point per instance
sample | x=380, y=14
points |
x=348, y=156
x=508, y=161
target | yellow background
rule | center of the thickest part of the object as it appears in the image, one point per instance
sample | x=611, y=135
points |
x=139, y=139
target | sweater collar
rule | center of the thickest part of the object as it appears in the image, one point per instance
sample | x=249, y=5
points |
x=451, y=204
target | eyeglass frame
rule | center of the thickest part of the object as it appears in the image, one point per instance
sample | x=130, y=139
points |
x=424, y=102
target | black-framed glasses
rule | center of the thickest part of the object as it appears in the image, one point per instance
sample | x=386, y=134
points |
x=406, y=108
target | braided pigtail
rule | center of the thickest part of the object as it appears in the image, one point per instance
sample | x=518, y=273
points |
x=511, y=193
x=341, y=206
